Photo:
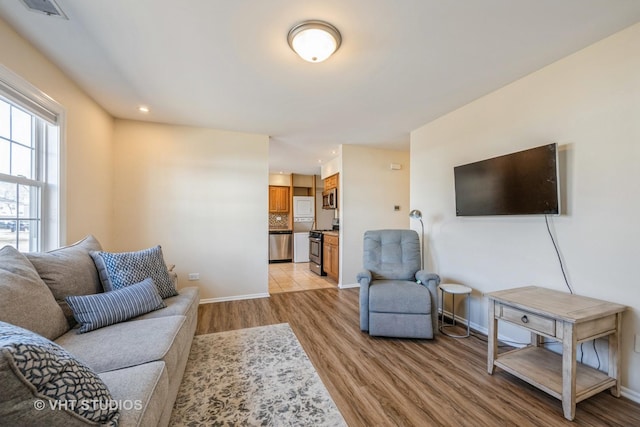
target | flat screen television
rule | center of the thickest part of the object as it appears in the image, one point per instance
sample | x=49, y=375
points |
x=522, y=183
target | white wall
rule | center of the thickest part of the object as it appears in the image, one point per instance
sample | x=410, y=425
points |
x=590, y=104
x=369, y=190
x=89, y=131
x=200, y=193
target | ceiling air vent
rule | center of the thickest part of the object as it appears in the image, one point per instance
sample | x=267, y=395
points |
x=47, y=7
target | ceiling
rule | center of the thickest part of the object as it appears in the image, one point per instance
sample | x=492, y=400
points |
x=227, y=65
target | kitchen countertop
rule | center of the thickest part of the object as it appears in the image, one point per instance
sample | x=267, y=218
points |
x=279, y=229
x=332, y=233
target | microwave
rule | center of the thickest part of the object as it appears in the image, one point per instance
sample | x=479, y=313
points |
x=330, y=199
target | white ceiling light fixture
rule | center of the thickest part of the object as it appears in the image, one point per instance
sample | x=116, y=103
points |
x=314, y=41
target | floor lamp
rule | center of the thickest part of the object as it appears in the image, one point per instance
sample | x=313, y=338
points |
x=416, y=214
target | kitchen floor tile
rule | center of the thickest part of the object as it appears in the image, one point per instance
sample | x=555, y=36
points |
x=294, y=277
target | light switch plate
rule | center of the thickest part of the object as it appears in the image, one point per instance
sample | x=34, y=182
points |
x=637, y=349
x=194, y=276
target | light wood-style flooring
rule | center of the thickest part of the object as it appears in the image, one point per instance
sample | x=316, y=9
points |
x=396, y=382
x=295, y=276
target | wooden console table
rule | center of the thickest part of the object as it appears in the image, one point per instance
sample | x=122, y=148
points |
x=563, y=317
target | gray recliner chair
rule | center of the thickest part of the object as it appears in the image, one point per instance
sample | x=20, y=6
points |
x=397, y=299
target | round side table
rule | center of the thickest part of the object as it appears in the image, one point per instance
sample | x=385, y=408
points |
x=454, y=290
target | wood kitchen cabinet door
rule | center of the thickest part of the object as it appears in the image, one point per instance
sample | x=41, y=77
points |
x=331, y=252
x=331, y=182
x=278, y=199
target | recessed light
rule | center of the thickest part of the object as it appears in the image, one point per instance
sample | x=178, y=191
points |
x=143, y=109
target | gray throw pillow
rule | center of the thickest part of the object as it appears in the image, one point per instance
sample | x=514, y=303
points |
x=69, y=271
x=42, y=384
x=118, y=270
x=99, y=310
x=25, y=300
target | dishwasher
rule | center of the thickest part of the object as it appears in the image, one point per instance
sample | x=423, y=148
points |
x=280, y=246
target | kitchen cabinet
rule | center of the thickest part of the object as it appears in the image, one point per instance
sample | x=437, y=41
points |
x=331, y=182
x=278, y=199
x=331, y=255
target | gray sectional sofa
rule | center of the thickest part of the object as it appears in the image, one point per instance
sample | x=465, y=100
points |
x=141, y=361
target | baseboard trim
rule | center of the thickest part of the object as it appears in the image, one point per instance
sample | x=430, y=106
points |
x=349, y=285
x=233, y=298
x=630, y=394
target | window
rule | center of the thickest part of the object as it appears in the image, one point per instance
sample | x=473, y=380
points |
x=29, y=166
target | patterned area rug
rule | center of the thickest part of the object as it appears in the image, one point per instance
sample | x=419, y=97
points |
x=252, y=377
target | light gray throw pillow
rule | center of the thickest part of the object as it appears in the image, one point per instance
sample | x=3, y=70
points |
x=69, y=271
x=25, y=300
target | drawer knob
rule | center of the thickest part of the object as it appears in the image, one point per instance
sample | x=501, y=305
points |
x=524, y=319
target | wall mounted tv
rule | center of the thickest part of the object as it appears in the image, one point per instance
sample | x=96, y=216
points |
x=522, y=183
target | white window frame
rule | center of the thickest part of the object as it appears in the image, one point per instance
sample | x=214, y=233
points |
x=53, y=193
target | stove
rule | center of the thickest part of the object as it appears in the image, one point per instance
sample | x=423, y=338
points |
x=316, y=239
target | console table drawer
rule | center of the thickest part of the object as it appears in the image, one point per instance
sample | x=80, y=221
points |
x=526, y=319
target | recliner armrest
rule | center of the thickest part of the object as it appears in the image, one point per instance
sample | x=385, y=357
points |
x=365, y=274
x=364, y=279
x=424, y=277
x=431, y=282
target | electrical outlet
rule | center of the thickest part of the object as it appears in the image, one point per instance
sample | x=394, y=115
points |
x=194, y=276
x=637, y=349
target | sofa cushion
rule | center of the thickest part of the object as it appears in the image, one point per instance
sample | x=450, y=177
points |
x=129, y=343
x=180, y=305
x=99, y=310
x=398, y=296
x=51, y=376
x=118, y=270
x=25, y=300
x=146, y=398
x=69, y=271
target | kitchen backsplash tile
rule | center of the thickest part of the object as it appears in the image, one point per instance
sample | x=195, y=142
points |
x=278, y=220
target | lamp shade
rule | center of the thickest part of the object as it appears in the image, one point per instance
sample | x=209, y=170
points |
x=416, y=214
x=314, y=41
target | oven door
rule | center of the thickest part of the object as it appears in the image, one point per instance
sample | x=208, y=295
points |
x=315, y=250
x=315, y=255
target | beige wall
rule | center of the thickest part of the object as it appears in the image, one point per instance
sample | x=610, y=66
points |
x=369, y=189
x=89, y=133
x=589, y=103
x=283, y=180
x=201, y=194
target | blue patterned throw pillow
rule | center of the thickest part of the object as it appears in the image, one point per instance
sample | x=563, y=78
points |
x=118, y=270
x=55, y=380
x=99, y=310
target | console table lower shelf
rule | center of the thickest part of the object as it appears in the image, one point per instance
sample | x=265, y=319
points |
x=542, y=368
